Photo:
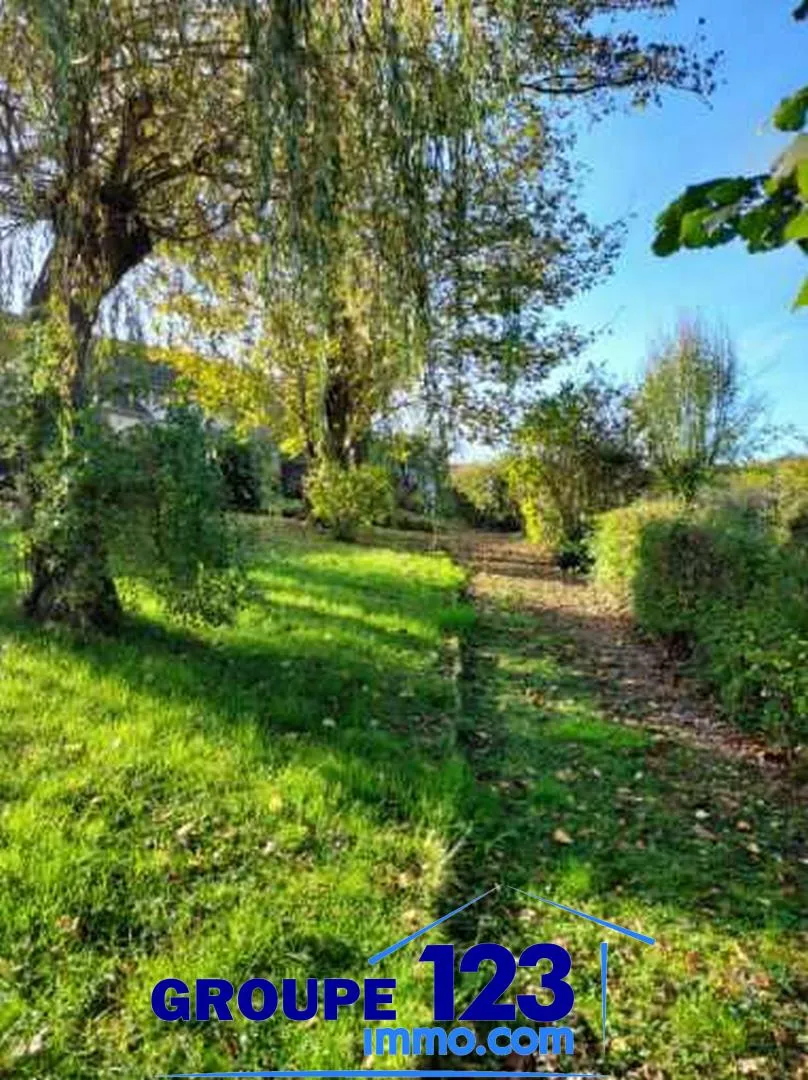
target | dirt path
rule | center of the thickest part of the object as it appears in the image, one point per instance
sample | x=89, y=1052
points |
x=636, y=682
x=608, y=777
x=600, y=778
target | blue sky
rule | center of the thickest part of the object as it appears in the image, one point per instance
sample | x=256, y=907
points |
x=638, y=161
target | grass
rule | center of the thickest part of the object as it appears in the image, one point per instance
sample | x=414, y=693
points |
x=691, y=847
x=275, y=798
x=287, y=796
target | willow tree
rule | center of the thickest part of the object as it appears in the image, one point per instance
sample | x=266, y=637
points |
x=317, y=375
x=452, y=186
x=130, y=124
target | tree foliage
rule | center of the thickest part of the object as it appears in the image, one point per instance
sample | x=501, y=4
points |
x=691, y=410
x=483, y=495
x=574, y=457
x=349, y=140
x=766, y=212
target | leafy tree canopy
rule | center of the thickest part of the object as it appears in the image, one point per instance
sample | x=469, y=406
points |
x=345, y=138
x=691, y=409
x=574, y=456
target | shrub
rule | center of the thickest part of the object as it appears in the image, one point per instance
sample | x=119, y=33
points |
x=780, y=490
x=483, y=497
x=615, y=544
x=573, y=553
x=683, y=562
x=165, y=518
x=792, y=483
x=343, y=499
x=242, y=469
x=721, y=586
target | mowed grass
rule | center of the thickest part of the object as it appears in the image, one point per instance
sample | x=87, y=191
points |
x=285, y=797
x=274, y=799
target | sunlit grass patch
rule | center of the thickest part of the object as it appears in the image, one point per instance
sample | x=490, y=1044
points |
x=265, y=799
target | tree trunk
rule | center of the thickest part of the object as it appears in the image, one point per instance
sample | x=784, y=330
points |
x=70, y=579
x=66, y=559
x=338, y=409
x=71, y=583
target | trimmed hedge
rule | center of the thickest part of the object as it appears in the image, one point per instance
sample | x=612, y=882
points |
x=721, y=586
x=615, y=545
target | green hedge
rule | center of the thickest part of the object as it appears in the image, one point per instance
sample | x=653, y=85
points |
x=615, y=544
x=782, y=488
x=720, y=585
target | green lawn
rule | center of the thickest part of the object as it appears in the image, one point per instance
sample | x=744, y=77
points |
x=287, y=796
x=276, y=798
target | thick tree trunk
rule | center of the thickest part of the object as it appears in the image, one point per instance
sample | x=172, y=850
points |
x=71, y=583
x=66, y=559
x=70, y=579
x=338, y=407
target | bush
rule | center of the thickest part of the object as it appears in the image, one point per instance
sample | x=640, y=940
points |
x=792, y=485
x=573, y=553
x=343, y=499
x=682, y=562
x=740, y=601
x=574, y=457
x=165, y=519
x=483, y=497
x=242, y=472
x=780, y=488
x=721, y=586
x=615, y=544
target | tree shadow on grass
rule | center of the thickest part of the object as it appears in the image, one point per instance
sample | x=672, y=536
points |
x=645, y=816
x=639, y=813
x=332, y=683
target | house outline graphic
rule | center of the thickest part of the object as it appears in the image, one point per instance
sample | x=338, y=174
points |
x=604, y=947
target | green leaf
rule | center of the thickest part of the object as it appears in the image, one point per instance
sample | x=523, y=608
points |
x=694, y=233
x=791, y=158
x=802, y=296
x=725, y=192
x=797, y=227
x=802, y=179
x=791, y=112
x=666, y=241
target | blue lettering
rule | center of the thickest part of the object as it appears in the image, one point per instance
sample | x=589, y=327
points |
x=375, y=997
x=180, y=1007
x=269, y=999
x=333, y=1000
x=289, y=993
x=215, y=993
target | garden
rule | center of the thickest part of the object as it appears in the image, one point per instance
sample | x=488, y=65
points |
x=348, y=592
